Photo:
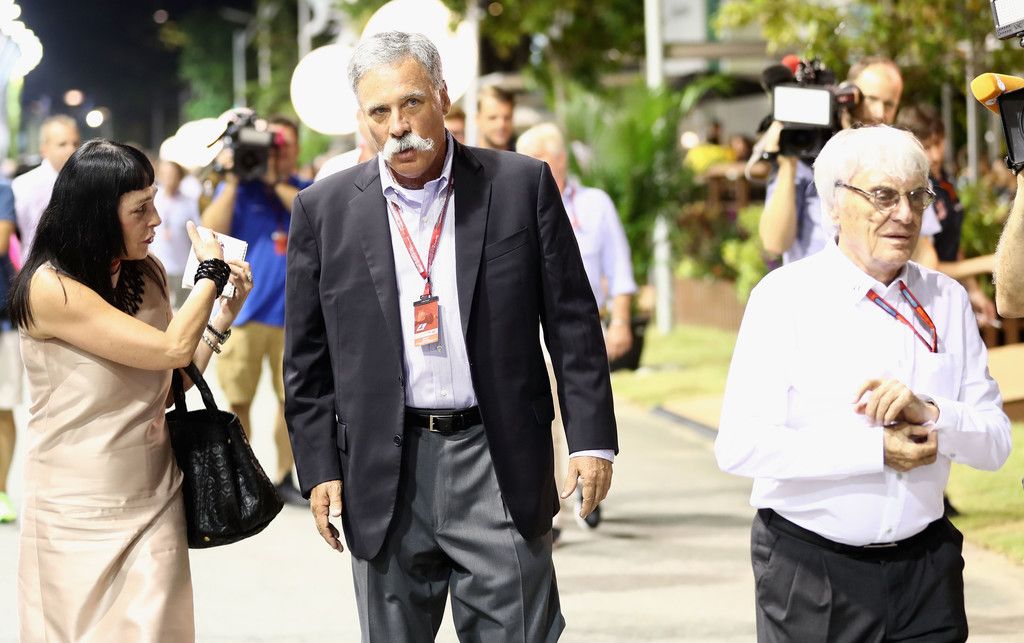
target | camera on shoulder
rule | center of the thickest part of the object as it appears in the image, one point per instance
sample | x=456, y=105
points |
x=809, y=104
x=250, y=140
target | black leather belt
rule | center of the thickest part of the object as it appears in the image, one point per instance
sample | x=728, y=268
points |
x=777, y=523
x=443, y=421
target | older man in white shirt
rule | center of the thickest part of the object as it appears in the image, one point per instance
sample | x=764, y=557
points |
x=858, y=378
x=606, y=259
x=58, y=140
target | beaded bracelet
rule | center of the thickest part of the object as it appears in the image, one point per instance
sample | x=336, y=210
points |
x=213, y=345
x=221, y=337
x=216, y=270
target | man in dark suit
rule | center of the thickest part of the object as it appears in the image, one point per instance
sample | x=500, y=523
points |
x=416, y=392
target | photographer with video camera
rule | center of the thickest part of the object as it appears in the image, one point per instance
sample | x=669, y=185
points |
x=253, y=203
x=790, y=225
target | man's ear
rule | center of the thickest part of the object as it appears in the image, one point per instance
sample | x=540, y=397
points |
x=446, y=103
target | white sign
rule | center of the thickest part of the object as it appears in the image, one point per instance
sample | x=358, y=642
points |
x=684, y=21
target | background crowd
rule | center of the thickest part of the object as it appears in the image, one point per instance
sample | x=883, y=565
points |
x=697, y=151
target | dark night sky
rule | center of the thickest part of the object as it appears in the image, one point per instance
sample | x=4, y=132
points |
x=111, y=51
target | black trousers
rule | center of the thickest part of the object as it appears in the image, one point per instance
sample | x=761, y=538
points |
x=807, y=592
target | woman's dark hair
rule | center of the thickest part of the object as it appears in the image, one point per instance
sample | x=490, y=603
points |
x=80, y=231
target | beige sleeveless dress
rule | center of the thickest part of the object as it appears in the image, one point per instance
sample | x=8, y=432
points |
x=103, y=552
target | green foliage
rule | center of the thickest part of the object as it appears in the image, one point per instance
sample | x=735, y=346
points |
x=744, y=254
x=689, y=362
x=278, y=29
x=984, y=213
x=569, y=39
x=204, y=63
x=991, y=511
x=633, y=155
x=924, y=36
x=13, y=100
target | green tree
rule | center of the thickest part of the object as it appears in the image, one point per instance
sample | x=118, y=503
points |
x=630, y=149
x=203, y=40
x=934, y=41
x=577, y=40
x=277, y=31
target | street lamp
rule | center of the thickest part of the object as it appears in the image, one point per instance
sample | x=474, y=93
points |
x=74, y=97
x=94, y=118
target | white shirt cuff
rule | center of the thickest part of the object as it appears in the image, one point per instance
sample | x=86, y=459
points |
x=605, y=454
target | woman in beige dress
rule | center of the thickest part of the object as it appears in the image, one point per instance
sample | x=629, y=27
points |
x=103, y=552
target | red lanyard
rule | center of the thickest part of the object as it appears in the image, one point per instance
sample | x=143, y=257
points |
x=435, y=239
x=919, y=312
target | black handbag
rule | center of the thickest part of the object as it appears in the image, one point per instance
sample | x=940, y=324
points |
x=227, y=494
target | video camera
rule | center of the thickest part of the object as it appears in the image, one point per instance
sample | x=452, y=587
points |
x=1008, y=15
x=250, y=140
x=809, y=103
x=1004, y=94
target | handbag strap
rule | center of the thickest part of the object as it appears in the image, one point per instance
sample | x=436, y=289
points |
x=178, y=387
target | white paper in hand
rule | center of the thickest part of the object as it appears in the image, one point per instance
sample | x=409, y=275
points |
x=233, y=249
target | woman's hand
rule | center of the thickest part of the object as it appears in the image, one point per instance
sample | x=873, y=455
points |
x=242, y=279
x=208, y=249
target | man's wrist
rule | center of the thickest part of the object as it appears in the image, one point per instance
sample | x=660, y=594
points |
x=604, y=454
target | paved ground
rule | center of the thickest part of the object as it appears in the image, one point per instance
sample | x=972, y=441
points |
x=670, y=563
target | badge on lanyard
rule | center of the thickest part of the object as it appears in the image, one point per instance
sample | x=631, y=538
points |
x=280, y=239
x=425, y=320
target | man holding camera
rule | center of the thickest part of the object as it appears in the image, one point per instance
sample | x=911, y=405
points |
x=258, y=211
x=791, y=223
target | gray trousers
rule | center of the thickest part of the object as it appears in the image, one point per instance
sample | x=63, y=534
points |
x=452, y=531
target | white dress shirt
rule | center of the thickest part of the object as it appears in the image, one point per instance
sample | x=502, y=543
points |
x=437, y=376
x=32, y=191
x=171, y=244
x=810, y=339
x=602, y=241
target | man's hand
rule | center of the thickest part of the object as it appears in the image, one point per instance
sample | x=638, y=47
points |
x=618, y=340
x=984, y=308
x=769, y=142
x=908, y=446
x=891, y=400
x=272, y=176
x=596, y=476
x=326, y=497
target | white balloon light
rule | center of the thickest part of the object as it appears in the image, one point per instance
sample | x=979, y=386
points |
x=190, y=146
x=320, y=91
x=458, y=49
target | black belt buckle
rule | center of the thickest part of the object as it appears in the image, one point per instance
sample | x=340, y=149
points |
x=443, y=424
x=879, y=545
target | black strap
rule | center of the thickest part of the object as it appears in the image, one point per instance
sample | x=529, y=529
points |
x=178, y=389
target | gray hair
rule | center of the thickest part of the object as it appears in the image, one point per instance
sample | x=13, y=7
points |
x=879, y=147
x=391, y=48
x=546, y=136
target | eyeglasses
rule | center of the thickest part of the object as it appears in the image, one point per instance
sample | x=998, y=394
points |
x=886, y=199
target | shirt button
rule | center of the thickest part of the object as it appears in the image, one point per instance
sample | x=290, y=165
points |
x=952, y=455
x=899, y=476
x=444, y=393
x=397, y=440
x=439, y=348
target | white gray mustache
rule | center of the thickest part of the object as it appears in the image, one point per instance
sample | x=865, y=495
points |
x=410, y=141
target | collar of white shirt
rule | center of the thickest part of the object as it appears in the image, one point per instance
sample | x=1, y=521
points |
x=852, y=280
x=416, y=198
